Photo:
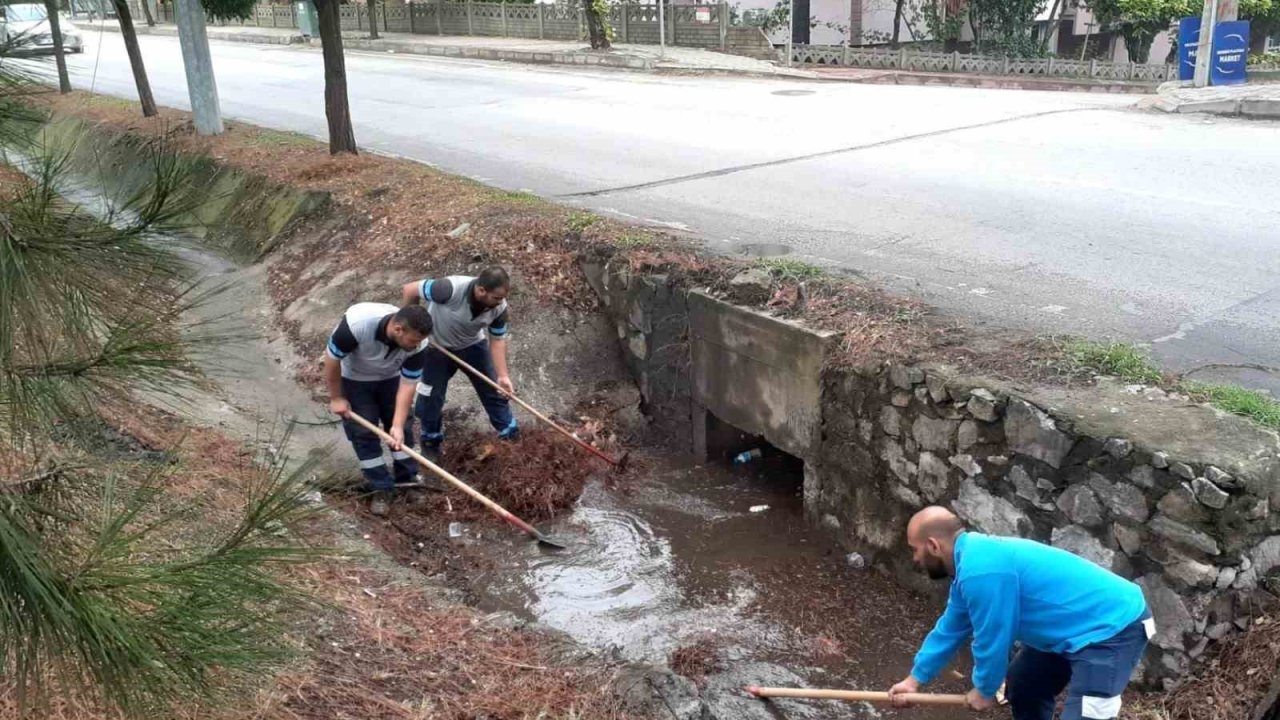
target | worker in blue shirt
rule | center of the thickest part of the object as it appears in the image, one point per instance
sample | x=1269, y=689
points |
x=1082, y=628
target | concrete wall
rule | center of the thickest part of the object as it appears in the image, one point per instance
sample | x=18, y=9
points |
x=758, y=373
x=1173, y=495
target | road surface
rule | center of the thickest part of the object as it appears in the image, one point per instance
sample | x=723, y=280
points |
x=1057, y=212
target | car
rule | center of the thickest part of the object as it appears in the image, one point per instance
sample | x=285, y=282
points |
x=25, y=27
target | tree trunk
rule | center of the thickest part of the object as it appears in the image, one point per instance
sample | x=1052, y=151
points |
x=1138, y=46
x=1050, y=29
x=135, y=58
x=597, y=28
x=373, y=20
x=342, y=136
x=897, y=20
x=59, y=55
x=146, y=13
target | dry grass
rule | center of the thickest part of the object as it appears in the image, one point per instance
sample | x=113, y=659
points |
x=1228, y=687
x=696, y=661
x=396, y=214
x=385, y=646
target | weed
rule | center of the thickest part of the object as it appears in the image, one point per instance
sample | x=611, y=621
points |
x=579, y=221
x=628, y=242
x=1123, y=360
x=521, y=198
x=1256, y=406
x=789, y=269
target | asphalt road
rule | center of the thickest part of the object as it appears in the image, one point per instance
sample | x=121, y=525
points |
x=1059, y=212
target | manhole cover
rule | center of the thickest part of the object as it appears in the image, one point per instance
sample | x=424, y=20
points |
x=764, y=249
x=793, y=93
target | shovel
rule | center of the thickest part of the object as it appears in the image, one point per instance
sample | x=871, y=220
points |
x=618, y=464
x=854, y=695
x=493, y=506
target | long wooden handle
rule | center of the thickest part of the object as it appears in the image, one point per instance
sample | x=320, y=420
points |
x=856, y=695
x=495, y=507
x=476, y=373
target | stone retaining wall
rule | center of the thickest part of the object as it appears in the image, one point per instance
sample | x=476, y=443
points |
x=1173, y=495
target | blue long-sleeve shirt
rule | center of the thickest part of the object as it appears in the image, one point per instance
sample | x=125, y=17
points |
x=1010, y=589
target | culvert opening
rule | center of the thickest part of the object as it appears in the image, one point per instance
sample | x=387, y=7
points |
x=747, y=452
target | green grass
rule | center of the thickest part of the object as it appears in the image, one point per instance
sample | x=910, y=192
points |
x=630, y=242
x=280, y=138
x=1256, y=406
x=1123, y=360
x=579, y=221
x=522, y=198
x=788, y=268
x=1131, y=363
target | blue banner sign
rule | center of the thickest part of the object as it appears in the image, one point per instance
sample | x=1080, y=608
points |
x=1230, y=51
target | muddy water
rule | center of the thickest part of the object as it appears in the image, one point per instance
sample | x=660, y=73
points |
x=723, y=556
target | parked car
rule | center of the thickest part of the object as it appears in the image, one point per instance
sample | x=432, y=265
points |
x=26, y=26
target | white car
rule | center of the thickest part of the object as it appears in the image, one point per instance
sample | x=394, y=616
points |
x=26, y=28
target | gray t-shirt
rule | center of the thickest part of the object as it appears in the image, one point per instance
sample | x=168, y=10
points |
x=361, y=344
x=457, y=321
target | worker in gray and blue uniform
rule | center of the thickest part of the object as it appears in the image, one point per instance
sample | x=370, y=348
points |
x=372, y=363
x=469, y=316
x=1082, y=628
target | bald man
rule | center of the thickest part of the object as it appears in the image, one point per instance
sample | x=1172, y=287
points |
x=1083, y=629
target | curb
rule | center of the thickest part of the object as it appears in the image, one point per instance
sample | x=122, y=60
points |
x=992, y=82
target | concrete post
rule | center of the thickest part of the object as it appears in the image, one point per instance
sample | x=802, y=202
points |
x=955, y=61
x=724, y=25
x=412, y=25
x=503, y=7
x=1051, y=58
x=1204, y=49
x=201, y=87
x=626, y=10
x=439, y=17
x=902, y=58
x=542, y=21
x=470, y=28
x=1093, y=67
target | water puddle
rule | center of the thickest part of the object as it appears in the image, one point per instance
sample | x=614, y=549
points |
x=693, y=554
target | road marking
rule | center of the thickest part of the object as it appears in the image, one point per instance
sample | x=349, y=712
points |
x=825, y=153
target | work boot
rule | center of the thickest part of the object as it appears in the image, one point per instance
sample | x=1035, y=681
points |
x=432, y=453
x=380, y=504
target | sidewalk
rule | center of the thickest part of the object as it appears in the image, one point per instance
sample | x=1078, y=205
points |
x=675, y=60
x=1252, y=100
x=520, y=50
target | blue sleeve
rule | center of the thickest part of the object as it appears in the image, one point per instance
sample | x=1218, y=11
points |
x=993, y=610
x=342, y=341
x=411, y=369
x=437, y=290
x=498, y=328
x=951, y=630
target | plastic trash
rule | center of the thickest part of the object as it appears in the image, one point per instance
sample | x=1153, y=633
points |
x=759, y=508
x=856, y=561
x=746, y=457
x=455, y=529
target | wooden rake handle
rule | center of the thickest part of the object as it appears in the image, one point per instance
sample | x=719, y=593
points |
x=475, y=494
x=855, y=695
x=476, y=373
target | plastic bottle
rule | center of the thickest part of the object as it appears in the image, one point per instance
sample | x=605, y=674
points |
x=746, y=457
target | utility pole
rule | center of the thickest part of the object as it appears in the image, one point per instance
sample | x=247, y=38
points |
x=662, y=29
x=791, y=27
x=1204, y=46
x=201, y=88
